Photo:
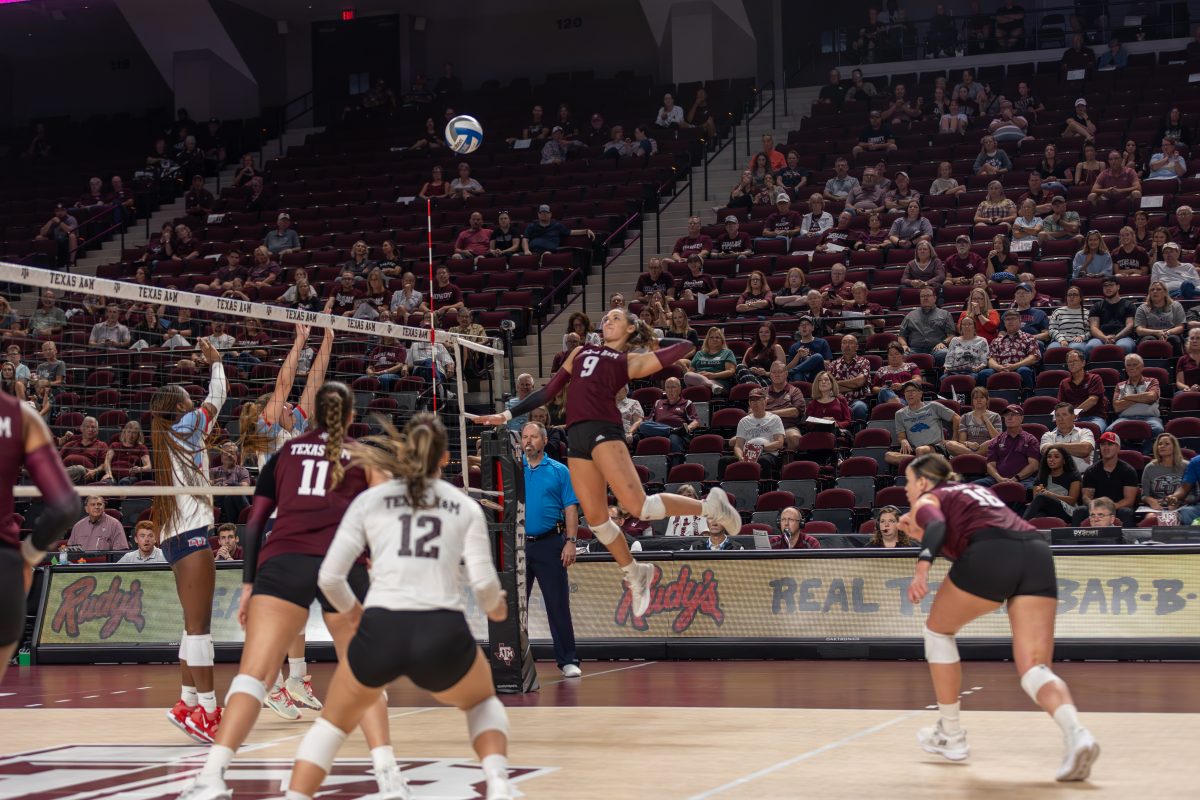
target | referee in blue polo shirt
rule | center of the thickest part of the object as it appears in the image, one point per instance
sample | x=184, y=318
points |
x=551, y=525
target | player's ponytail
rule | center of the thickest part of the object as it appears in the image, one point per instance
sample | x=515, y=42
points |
x=334, y=406
x=642, y=336
x=167, y=450
x=933, y=467
x=251, y=442
x=414, y=455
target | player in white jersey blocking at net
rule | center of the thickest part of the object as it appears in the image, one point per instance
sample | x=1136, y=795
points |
x=419, y=529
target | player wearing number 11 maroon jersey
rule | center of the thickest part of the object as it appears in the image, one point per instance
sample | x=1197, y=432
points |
x=310, y=483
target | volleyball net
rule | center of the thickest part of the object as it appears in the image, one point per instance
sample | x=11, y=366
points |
x=206, y=308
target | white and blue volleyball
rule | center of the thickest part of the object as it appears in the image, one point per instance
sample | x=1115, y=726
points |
x=464, y=134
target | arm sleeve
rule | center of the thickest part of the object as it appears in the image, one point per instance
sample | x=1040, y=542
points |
x=218, y=388
x=62, y=506
x=348, y=543
x=540, y=397
x=261, y=507
x=670, y=353
x=930, y=518
x=477, y=556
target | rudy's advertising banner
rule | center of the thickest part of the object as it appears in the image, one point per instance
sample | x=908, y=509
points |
x=1151, y=596
x=138, y=606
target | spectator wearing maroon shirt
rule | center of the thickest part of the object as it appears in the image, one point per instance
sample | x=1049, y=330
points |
x=232, y=268
x=791, y=537
x=841, y=237
x=839, y=291
x=265, y=272
x=127, y=460
x=346, y=295
x=386, y=362
x=473, y=243
x=198, y=201
x=228, y=547
x=783, y=223
x=861, y=307
x=85, y=451
x=963, y=263
x=786, y=402
x=673, y=416
x=733, y=243
x=94, y=196
x=1118, y=182
x=757, y=299
x=98, y=530
x=1084, y=391
x=1185, y=234
x=695, y=242
x=443, y=295
x=654, y=280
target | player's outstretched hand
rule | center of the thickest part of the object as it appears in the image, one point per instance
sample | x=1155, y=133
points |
x=490, y=419
x=499, y=612
x=211, y=354
x=302, y=332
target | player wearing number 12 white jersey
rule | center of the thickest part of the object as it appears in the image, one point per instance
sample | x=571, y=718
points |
x=420, y=530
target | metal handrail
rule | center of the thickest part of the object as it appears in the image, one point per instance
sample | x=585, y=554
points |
x=544, y=322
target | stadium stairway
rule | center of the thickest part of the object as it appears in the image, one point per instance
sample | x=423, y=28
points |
x=623, y=272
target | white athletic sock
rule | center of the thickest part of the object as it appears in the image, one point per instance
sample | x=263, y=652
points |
x=630, y=569
x=297, y=669
x=188, y=695
x=1067, y=717
x=294, y=795
x=219, y=758
x=208, y=701
x=495, y=767
x=383, y=758
x=949, y=712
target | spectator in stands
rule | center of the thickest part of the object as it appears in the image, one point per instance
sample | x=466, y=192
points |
x=1027, y=227
x=97, y=531
x=1117, y=182
x=979, y=309
x=473, y=242
x=198, y=201
x=867, y=195
x=841, y=184
x=386, y=361
x=8, y=381
x=1167, y=163
x=464, y=186
x=186, y=245
x=1162, y=476
x=431, y=362
x=1013, y=456
x=1057, y=486
x=63, y=229
x=1012, y=350
x=861, y=315
x=991, y=161
x=853, y=375
x=714, y=364
x=900, y=110
x=827, y=403
x=505, y=240
x=228, y=548
x=1179, y=278
x=976, y=428
x=21, y=373
x=787, y=402
x=673, y=416
x=759, y=356
x=110, y=332
x=783, y=223
x=444, y=296
x=908, y=230
x=1078, y=442
x=963, y=263
x=359, y=263
x=945, y=183
x=893, y=374
x=968, y=353
x=559, y=146
x=927, y=328
x=1084, y=391
x=833, y=93
x=878, y=135
x=265, y=271
x=1112, y=479
x=1060, y=223
x=228, y=471
x=145, y=550
x=1068, y=326
x=1137, y=396
x=94, y=196
x=283, y=239
x=1185, y=234
x=50, y=368
x=1033, y=320
x=1111, y=319
x=808, y=354
x=742, y=195
x=435, y=188
x=232, y=269
x=791, y=534
x=697, y=282
x=669, y=114
x=406, y=299
x=1160, y=318
x=653, y=280
x=1187, y=368
x=632, y=414
x=1128, y=258
x=619, y=145
x=1116, y=57
x=546, y=234
x=840, y=238
x=920, y=426
x=430, y=137
x=717, y=539
x=925, y=268
x=1055, y=174
x=686, y=525
x=760, y=435
x=245, y=171
x=1078, y=56
x=758, y=298
x=817, y=220
x=792, y=177
x=733, y=243
x=700, y=115
x=1173, y=127
x=995, y=208
x=127, y=460
x=838, y=291
x=643, y=145
x=901, y=195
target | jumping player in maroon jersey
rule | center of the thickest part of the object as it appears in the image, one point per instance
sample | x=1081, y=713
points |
x=25, y=439
x=310, y=484
x=998, y=558
x=596, y=450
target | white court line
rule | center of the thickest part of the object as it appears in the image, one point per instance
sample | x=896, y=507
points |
x=90, y=696
x=602, y=672
x=845, y=740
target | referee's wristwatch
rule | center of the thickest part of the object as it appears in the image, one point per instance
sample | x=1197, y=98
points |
x=571, y=539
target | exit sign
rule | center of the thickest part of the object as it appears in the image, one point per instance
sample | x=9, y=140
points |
x=347, y=14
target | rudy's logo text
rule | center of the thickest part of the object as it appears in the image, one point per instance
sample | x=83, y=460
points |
x=683, y=595
x=80, y=605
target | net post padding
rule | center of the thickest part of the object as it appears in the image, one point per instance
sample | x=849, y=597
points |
x=122, y=290
x=503, y=477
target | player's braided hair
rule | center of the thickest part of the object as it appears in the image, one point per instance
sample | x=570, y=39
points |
x=414, y=455
x=167, y=448
x=334, y=405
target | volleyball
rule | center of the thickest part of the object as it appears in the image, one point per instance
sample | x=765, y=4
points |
x=464, y=134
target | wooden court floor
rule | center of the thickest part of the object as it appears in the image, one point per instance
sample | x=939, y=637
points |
x=686, y=730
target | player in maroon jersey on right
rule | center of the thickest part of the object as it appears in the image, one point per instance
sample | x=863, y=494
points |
x=308, y=481
x=596, y=450
x=25, y=439
x=998, y=557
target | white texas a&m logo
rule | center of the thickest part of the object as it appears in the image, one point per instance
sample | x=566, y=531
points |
x=152, y=771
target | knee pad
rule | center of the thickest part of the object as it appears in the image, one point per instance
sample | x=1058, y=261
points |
x=246, y=684
x=1037, y=677
x=606, y=532
x=487, y=716
x=940, y=648
x=321, y=744
x=653, y=508
x=199, y=650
